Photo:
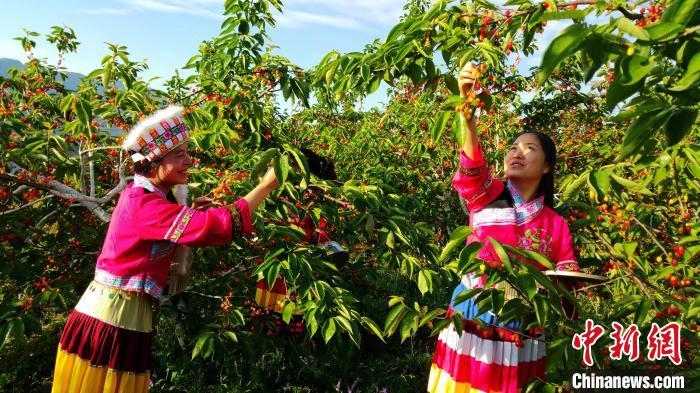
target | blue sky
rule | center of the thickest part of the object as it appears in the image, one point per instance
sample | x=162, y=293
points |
x=167, y=33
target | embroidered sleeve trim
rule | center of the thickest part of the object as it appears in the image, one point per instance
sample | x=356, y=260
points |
x=471, y=171
x=481, y=192
x=569, y=266
x=179, y=225
x=236, y=221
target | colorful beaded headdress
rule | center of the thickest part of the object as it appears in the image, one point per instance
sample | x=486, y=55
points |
x=156, y=135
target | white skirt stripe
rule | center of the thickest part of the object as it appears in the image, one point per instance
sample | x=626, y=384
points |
x=493, y=351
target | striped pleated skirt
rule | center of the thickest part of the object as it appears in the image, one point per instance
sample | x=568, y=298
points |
x=106, y=343
x=491, y=358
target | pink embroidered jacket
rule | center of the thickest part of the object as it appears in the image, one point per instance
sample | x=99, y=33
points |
x=497, y=210
x=145, y=229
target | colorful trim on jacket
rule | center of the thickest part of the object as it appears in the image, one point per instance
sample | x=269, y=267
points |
x=179, y=225
x=520, y=214
x=130, y=283
x=569, y=266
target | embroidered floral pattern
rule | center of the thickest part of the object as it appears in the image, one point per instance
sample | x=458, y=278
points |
x=535, y=239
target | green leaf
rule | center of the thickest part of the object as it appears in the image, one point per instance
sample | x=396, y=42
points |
x=541, y=308
x=300, y=159
x=574, y=187
x=231, y=336
x=373, y=327
x=272, y=273
x=425, y=281
x=451, y=83
x=330, y=73
x=459, y=128
x=502, y=255
x=13, y=328
x=680, y=11
x=531, y=255
x=663, y=30
x=328, y=330
x=409, y=325
x=467, y=256
x=563, y=45
x=457, y=238
x=633, y=69
x=344, y=323
x=679, y=124
x=281, y=166
x=600, y=180
x=567, y=14
x=107, y=76
x=288, y=312
x=458, y=323
x=642, y=310
x=440, y=326
x=527, y=284
x=439, y=125
x=84, y=112
x=641, y=130
x=693, y=311
x=370, y=225
x=541, y=278
x=243, y=27
x=202, y=340
x=260, y=166
x=632, y=186
x=627, y=26
x=618, y=92
x=393, y=319
x=690, y=76
x=430, y=316
x=465, y=295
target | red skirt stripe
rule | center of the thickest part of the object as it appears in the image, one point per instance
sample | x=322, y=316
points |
x=105, y=345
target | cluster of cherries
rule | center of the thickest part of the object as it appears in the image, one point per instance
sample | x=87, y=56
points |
x=653, y=14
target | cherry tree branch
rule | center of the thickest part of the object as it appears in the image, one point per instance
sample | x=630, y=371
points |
x=34, y=202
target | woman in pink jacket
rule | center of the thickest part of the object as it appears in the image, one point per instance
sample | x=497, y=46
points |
x=105, y=345
x=518, y=212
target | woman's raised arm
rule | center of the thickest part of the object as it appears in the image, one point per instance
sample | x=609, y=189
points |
x=466, y=81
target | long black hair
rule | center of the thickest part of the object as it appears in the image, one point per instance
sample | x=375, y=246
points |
x=546, y=185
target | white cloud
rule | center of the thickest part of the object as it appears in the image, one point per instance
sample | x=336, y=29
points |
x=106, y=11
x=352, y=15
x=356, y=15
x=302, y=18
x=202, y=8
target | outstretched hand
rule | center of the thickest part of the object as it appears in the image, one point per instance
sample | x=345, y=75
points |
x=467, y=79
x=202, y=203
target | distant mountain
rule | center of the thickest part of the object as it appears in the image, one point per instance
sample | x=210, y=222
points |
x=71, y=82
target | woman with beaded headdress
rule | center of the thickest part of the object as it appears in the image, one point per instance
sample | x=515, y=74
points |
x=105, y=345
